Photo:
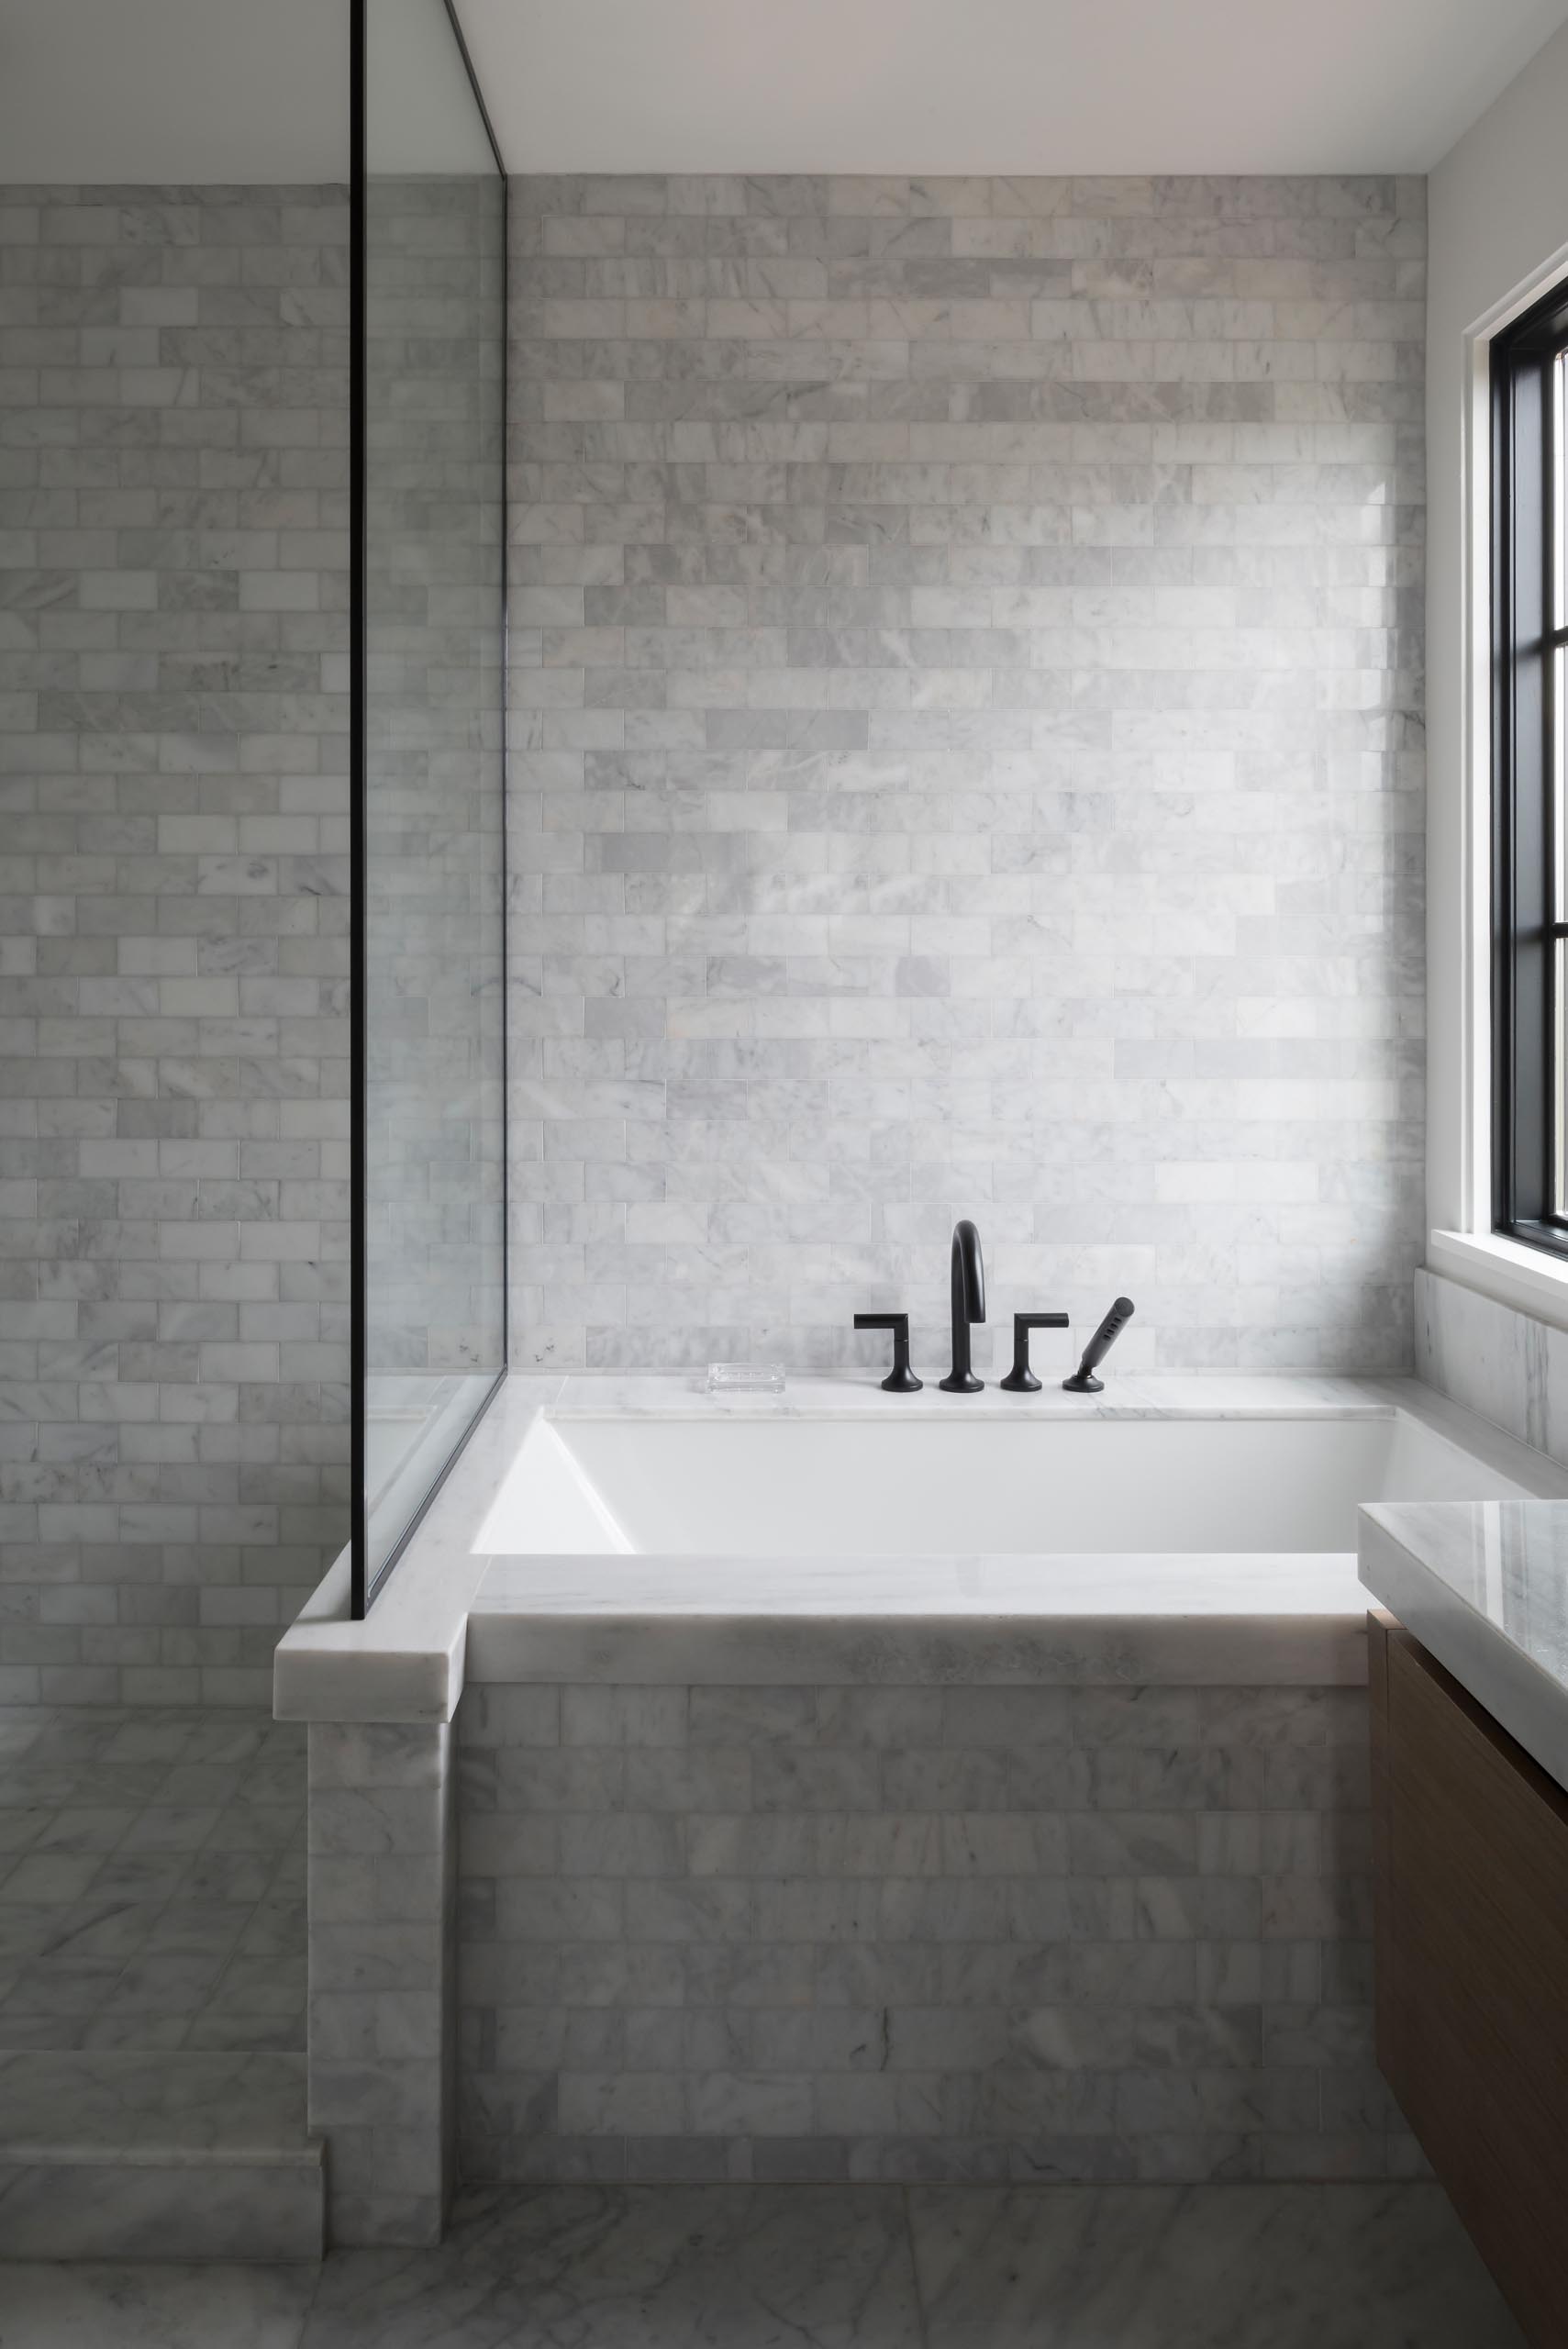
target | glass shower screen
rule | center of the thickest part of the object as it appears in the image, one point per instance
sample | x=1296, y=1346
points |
x=429, y=1332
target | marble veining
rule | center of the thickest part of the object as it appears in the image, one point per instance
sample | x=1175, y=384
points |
x=151, y=1881
x=878, y=1934
x=1211, y=2268
x=383, y=1929
x=1484, y=1586
x=895, y=1619
x=684, y=2265
x=261, y=2206
x=195, y=2106
x=1262, y=2267
x=152, y=1947
x=1507, y=1366
x=173, y=895
x=956, y=628
x=107, y=2305
x=143, y=2155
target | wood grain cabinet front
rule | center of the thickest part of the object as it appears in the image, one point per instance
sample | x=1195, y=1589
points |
x=1470, y=1866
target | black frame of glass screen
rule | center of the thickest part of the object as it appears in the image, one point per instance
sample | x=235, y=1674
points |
x=364, y=1584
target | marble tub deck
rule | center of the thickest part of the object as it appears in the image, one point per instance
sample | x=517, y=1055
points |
x=455, y=1610
x=866, y=2267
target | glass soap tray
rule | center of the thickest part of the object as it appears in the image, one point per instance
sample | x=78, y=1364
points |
x=745, y=1378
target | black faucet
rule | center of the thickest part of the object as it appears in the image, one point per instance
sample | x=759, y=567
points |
x=968, y=1304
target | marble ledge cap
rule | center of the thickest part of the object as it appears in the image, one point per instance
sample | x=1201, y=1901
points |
x=326, y=1667
x=405, y=1661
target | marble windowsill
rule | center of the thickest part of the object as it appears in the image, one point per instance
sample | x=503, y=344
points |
x=1529, y=1280
x=1483, y=1586
x=450, y=1610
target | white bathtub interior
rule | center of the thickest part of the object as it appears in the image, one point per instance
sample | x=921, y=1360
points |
x=586, y=1484
x=414, y=1422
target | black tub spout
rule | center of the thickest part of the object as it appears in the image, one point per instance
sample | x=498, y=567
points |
x=968, y=1306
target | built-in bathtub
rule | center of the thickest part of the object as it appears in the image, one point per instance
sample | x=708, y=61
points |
x=851, y=1784
x=915, y=1476
x=1203, y=1529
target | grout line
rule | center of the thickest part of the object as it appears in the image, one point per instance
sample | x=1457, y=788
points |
x=99, y=1727
x=922, y=2316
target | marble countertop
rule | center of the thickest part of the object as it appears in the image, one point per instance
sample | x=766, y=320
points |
x=1483, y=1586
x=444, y=1611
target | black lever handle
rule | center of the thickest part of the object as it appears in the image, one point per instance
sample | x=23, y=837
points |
x=901, y=1379
x=1020, y=1379
x=1083, y=1381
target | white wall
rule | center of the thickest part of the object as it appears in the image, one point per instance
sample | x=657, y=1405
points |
x=959, y=88
x=173, y=93
x=1498, y=215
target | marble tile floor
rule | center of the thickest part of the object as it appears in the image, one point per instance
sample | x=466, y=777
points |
x=151, y=1881
x=1253, y=2267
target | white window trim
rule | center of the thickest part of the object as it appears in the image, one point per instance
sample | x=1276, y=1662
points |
x=1527, y=1278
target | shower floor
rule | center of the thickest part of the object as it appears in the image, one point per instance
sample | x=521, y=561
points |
x=151, y=1881
x=843, y=2266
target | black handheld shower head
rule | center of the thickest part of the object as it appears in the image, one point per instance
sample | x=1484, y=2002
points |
x=1083, y=1381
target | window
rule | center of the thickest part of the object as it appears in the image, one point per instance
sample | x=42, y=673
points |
x=1529, y=710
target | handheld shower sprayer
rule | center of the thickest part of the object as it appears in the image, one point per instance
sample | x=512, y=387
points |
x=1083, y=1381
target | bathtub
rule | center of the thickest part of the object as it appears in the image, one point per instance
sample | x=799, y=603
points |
x=590, y=1479
x=1188, y=1531
x=1023, y=1740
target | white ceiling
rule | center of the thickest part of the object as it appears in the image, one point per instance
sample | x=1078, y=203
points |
x=249, y=90
x=419, y=110
x=993, y=86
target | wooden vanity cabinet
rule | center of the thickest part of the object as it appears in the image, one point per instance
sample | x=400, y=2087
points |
x=1471, y=1868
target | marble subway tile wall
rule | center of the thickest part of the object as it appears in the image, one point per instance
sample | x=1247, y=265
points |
x=1507, y=1365
x=173, y=1077
x=960, y=1933
x=435, y=363
x=966, y=699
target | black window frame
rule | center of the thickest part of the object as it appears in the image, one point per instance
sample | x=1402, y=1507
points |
x=1529, y=905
